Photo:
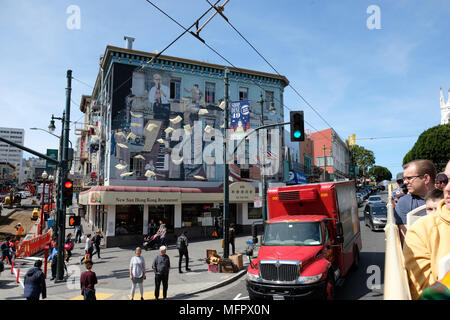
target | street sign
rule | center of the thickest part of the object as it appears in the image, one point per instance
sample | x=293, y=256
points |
x=51, y=167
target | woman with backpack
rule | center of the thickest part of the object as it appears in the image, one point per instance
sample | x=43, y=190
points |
x=182, y=246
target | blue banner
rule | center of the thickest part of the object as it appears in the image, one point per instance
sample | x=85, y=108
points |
x=296, y=178
x=239, y=119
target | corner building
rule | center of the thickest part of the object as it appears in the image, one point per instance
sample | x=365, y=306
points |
x=127, y=147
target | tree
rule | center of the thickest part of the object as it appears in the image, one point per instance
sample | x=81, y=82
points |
x=380, y=173
x=363, y=158
x=433, y=144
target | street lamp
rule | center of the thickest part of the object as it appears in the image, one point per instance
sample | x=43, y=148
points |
x=41, y=222
x=51, y=126
x=272, y=110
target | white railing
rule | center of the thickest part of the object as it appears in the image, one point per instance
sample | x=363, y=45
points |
x=396, y=285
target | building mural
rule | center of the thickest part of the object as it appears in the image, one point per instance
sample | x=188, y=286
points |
x=146, y=110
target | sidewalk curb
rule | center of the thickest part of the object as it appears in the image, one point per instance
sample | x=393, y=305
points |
x=220, y=284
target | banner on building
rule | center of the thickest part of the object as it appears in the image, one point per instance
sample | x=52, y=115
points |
x=296, y=178
x=239, y=119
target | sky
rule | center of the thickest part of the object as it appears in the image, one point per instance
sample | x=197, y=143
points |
x=374, y=74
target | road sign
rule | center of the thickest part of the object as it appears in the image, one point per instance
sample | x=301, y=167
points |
x=51, y=167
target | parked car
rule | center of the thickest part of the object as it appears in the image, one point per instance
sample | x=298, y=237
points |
x=375, y=215
x=373, y=199
x=359, y=199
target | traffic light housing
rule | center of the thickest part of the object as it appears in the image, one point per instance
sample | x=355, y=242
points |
x=67, y=192
x=297, y=126
x=74, y=221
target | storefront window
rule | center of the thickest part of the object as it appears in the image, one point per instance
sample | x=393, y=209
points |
x=129, y=219
x=164, y=213
x=254, y=213
x=197, y=215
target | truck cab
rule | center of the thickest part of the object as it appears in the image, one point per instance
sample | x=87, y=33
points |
x=310, y=241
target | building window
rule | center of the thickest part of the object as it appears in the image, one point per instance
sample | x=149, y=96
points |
x=197, y=215
x=210, y=92
x=175, y=89
x=129, y=219
x=243, y=93
x=254, y=213
x=136, y=165
x=269, y=98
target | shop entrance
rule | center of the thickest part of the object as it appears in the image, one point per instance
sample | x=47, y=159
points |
x=164, y=213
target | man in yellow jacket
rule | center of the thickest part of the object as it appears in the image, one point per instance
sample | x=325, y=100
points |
x=427, y=241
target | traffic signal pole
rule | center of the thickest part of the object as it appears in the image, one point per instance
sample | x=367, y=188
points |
x=226, y=181
x=64, y=169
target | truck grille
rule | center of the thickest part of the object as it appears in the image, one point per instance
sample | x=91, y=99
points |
x=279, y=270
x=289, y=195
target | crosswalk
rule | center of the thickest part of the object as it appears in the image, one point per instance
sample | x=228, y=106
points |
x=149, y=295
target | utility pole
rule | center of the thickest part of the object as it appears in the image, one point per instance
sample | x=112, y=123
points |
x=226, y=188
x=324, y=164
x=263, y=169
x=64, y=163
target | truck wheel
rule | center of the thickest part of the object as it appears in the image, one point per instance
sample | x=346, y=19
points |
x=330, y=288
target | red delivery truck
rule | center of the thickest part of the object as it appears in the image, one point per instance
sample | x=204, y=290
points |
x=311, y=239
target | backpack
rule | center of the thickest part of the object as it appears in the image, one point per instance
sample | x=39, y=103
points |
x=181, y=243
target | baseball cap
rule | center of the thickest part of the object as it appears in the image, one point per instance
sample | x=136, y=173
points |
x=441, y=177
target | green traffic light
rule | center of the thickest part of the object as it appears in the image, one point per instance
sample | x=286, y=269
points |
x=297, y=134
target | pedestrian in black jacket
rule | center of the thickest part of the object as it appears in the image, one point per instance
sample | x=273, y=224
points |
x=161, y=268
x=182, y=246
x=34, y=283
x=97, y=239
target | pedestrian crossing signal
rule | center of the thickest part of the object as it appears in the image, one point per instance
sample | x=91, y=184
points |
x=74, y=221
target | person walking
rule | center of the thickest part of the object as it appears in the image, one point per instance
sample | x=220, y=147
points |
x=88, y=280
x=161, y=268
x=54, y=259
x=231, y=236
x=68, y=246
x=78, y=233
x=6, y=251
x=89, y=247
x=96, y=241
x=182, y=246
x=137, y=273
x=162, y=233
x=34, y=283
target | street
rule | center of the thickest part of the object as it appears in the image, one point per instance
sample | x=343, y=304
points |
x=366, y=283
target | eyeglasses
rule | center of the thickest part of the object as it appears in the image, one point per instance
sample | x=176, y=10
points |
x=411, y=178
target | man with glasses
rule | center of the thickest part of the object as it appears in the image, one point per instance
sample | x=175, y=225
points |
x=418, y=176
x=441, y=181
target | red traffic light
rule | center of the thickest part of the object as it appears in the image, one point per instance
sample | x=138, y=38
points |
x=68, y=184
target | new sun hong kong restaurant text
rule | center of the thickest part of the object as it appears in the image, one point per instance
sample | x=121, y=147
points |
x=132, y=119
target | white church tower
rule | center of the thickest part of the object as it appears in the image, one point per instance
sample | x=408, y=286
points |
x=445, y=109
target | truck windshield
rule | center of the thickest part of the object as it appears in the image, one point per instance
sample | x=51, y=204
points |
x=292, y=234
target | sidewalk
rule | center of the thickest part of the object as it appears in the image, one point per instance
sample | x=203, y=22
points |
x=113, y=273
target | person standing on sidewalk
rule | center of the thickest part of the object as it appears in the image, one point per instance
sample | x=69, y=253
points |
x=232, y=235
x=137, y=273
x=88, y=249
x=96, y=240
x=34, y=283
x=88, y=280
x=161, y=268
x=182, y=246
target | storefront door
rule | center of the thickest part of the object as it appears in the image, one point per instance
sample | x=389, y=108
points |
x=164, y=213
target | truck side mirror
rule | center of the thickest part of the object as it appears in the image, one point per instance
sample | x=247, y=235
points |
x=339, y=232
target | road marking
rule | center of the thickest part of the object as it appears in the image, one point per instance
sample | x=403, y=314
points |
x=149, y=295
x=238, y=297
x=98, y=295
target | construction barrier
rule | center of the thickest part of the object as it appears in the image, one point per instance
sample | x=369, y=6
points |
x=29, y=248
x=396, y=285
